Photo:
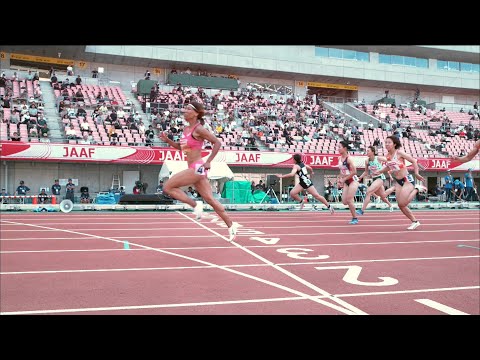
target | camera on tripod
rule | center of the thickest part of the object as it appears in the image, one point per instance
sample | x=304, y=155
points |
x=270, y=192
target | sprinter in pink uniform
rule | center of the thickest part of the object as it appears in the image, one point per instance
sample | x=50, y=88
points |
x=191, y=144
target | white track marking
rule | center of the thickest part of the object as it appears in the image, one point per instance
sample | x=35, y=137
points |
x=228, y=302
x=258, y=246
x=240, y=214
x=140, y=307
x=333, y=306
x=440, y=307
x=231, y=266
x=408, y=291
x=253, y=221
x=348, y=306
x=257, y=227
x=379, y=260
x=220, y=247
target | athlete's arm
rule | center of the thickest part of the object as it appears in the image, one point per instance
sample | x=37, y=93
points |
x=353, y=170
x=365, y=172
x=382, y=171
x=309, y=169
x=294, y=171
x=470, y=155
x=414, y=163
x=207, y=135
x=172, y=143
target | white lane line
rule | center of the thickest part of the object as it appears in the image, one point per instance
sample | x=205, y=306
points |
x=246, y=235
x=271, y=283
x=359, y=225
x=352, y=308
x=157, y=306
x=239, y=214
x=253, y=221
x=229, y=247
x=409, y=291
x=234, y=265
x=380, y=260
x=440, y=307
x=140, y=307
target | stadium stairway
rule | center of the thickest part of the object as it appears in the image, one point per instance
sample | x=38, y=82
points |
x=50, y=111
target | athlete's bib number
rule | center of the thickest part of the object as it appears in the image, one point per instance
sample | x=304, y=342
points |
x=307, y=181
x=410, y=178
x=199, y=169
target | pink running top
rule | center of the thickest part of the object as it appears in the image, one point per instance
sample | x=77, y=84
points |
x=188, y=142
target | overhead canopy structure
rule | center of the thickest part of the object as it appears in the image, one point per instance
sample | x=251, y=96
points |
x=218, y=171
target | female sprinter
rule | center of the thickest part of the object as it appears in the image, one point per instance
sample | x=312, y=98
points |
x=372, y=164
x=348, y=179
x=301, y=170
x=405, y=189
x=191, y=144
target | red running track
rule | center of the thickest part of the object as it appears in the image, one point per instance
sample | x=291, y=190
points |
x=281, y=263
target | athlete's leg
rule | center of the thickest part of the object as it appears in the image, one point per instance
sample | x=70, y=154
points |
x=372, y=189
x=295, y=191
x=348, y=196
x=317, y=196
x=402, y=194
x=204, y=189
x=173, y=185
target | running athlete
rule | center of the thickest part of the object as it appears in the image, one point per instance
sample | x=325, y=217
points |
x=372, y=164
x=471, y=154
x=405, y=189
x=347, y=179
x=191, y=144
x=302, y=170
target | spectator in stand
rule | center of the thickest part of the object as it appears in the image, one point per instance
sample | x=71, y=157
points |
x=69, y=70
x=14, y=117
x=71, y=133
x=149, y=135
x=81, y=112
x=84, y=126
x=78, y=96
x=121, y=114
x=85, y=140
x=15, y=137
x=112, y=134
x=78, y=80
x=53, y=79
x=44, y=138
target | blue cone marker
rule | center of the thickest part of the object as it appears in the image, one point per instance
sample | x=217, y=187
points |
x=126, y=245
x=467, y=246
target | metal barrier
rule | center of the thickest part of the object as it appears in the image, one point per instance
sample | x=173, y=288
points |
x=34, y=198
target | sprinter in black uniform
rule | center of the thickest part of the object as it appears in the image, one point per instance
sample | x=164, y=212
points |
x=301, y=170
